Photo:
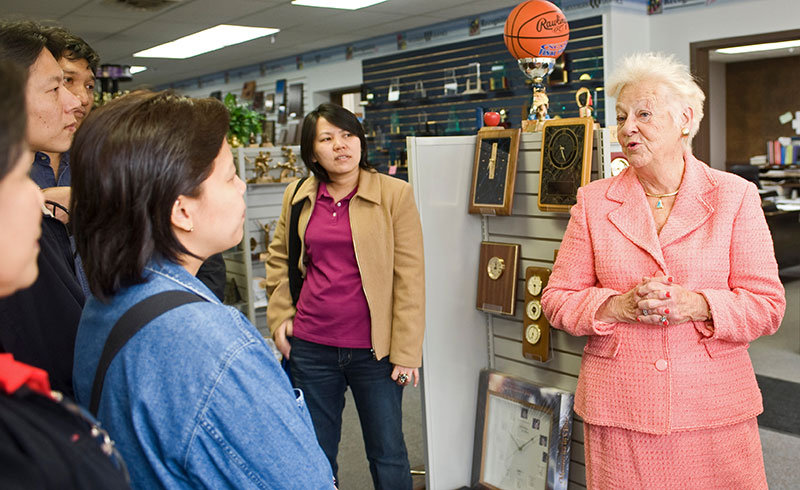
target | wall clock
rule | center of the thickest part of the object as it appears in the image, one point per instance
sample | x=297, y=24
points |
x=566, y=161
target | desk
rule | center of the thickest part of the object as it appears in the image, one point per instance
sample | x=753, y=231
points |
x=786, y=181
x=785, y=229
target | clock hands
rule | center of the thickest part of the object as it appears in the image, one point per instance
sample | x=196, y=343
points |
x=529, y=441
x=520, y=447
x=563, y=156
x=515, y=440
x=493, y=161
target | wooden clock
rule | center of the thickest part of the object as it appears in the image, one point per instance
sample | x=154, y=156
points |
x=536, y=328
x=494, y=172
x=566, y=161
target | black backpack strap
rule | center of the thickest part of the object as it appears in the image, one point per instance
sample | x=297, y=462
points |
x=295, y=278
x=126, y=327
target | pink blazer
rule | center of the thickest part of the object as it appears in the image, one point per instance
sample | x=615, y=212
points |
x=716, y=242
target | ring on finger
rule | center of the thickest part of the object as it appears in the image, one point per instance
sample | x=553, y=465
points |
x=403, y=378
x=645, y=312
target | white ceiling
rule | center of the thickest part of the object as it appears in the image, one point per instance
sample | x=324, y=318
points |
x=117, y=31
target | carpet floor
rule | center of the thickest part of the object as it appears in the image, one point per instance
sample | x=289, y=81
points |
x=781, y=402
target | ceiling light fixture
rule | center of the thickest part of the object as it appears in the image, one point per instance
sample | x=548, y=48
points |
x=205, y=41
x=760, y=47
x=137, y=69
x=338, y=4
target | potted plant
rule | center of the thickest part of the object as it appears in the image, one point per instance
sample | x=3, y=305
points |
x=244, y=122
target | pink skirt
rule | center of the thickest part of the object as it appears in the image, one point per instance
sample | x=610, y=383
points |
x=724, y=458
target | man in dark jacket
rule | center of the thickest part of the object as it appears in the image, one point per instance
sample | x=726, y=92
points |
x=40, y=322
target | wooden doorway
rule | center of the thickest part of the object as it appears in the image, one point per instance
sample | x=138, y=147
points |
x=700, y=67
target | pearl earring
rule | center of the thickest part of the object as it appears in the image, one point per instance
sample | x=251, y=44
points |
x=685, y=131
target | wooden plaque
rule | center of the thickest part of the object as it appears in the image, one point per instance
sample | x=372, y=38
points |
x=536, y=328
x=494, y=172
x=566, y=161
x=497, y=277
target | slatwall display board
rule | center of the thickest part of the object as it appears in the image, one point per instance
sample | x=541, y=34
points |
x=459, y=114
x=540, y=234
x=456, y=331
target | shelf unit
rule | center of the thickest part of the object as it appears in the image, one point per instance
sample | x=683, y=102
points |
x=243, y=263
x=389, y=122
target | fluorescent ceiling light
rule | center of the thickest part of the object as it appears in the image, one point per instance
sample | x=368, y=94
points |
x=760, y=47
x=205, y=41
x=137, y=69
x=338, y=4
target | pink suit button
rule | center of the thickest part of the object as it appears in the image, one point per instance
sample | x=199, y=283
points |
x=661, y=364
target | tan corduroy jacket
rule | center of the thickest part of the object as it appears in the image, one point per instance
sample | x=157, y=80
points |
x=387, y=238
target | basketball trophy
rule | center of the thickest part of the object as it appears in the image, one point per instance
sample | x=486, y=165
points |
x=536, y=33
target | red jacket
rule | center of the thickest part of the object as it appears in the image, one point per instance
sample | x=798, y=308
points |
x=716, y=242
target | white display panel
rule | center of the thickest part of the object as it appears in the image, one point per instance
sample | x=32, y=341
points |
x=456, y=347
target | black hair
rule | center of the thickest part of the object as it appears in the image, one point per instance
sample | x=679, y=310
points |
x=75, y=48
x=23, y=41
x=12, y=114
x=131, y=159
x=339, y=117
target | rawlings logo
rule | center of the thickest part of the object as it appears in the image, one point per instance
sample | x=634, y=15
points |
x=556, y=25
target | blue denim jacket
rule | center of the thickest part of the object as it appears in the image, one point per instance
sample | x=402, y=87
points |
x=197, y=399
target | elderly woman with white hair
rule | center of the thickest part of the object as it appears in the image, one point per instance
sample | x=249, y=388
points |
x=668, y=270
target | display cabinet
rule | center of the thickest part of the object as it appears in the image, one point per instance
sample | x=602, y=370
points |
x=262, y=168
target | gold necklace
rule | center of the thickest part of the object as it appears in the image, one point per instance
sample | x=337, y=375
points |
x=659, y=204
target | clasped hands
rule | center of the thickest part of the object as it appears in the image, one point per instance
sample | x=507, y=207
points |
x=656, y=300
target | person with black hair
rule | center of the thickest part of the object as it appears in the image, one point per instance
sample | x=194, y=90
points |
x=358, y=317
x=195, y=397
x=51, y=170
x=41, y=321
x=45, y=441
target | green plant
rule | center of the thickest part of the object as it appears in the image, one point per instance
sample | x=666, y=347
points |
x=244, y=121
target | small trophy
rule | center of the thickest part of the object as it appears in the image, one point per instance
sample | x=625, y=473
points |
x=536, y=33
x=476, y=88
x=583, y=97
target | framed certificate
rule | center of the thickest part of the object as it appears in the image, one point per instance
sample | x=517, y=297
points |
x=494, y=172
x=566, y=161
x=522, y=435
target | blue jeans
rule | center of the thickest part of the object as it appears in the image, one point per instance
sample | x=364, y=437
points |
x=324, y=373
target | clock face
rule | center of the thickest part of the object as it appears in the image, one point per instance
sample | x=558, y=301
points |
x=535, y=285
x=533, y=334
x=533, y=310
x=495, y=267
x=618, y=165
x=516, y=444
x=563, y=147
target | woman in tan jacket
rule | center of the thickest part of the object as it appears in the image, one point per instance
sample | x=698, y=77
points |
x=355, y=314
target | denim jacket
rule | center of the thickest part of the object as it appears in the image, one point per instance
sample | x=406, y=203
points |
x=196, y=399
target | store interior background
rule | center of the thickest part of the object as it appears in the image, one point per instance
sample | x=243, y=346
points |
x=311, y=49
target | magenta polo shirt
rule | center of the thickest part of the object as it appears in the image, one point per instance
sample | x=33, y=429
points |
x=332, y=309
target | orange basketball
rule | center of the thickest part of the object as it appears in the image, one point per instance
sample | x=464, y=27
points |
x=536, y=29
